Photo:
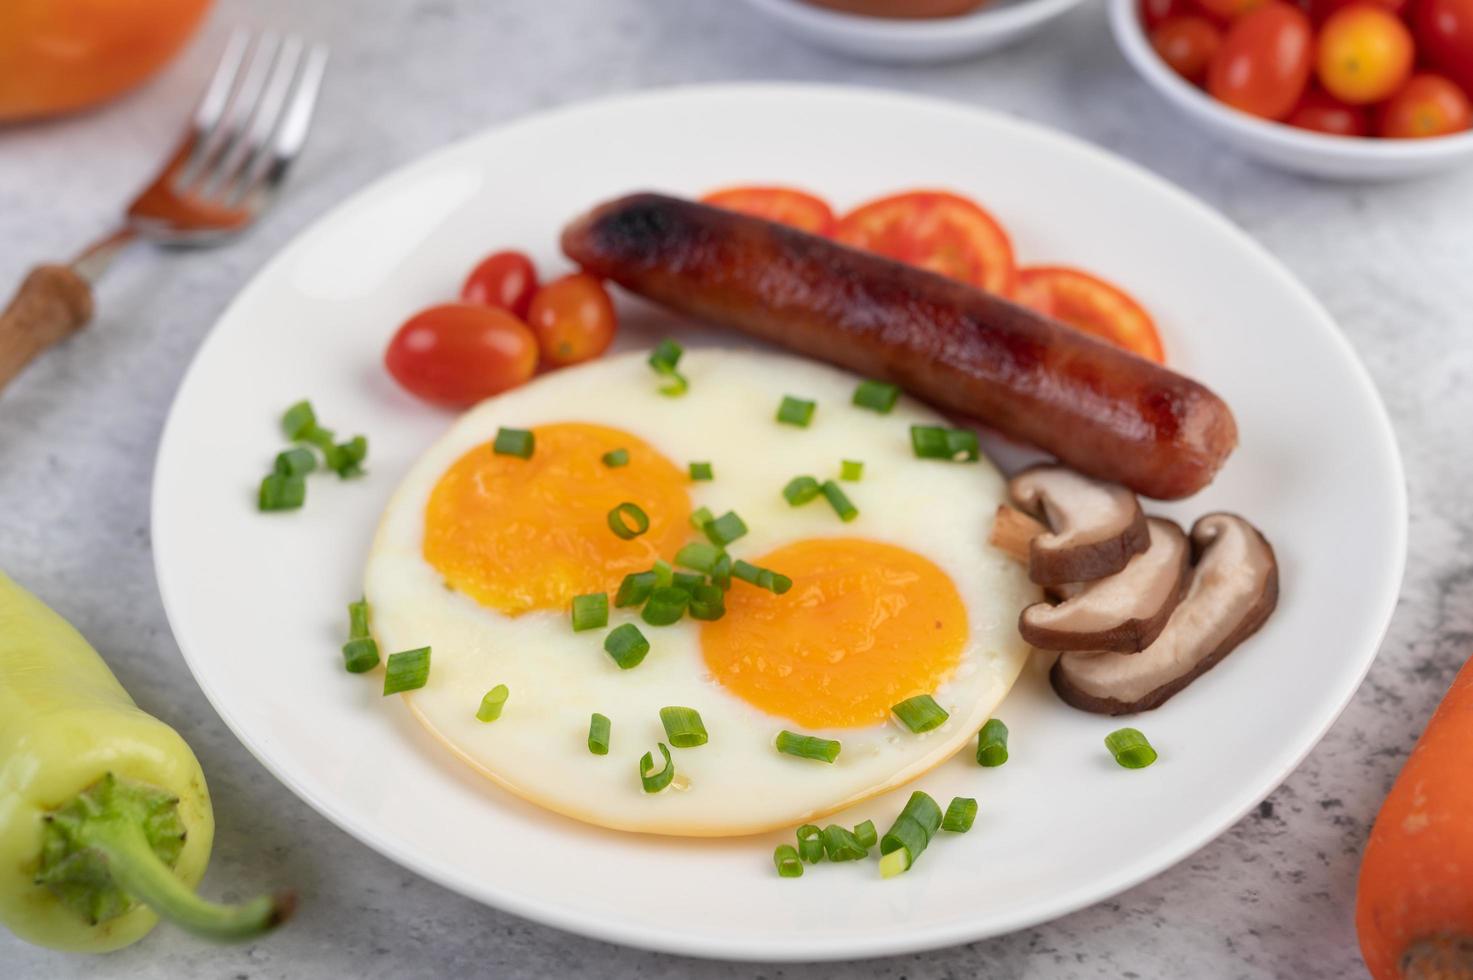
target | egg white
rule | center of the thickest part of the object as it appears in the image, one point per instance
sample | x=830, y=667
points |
x=737, y=783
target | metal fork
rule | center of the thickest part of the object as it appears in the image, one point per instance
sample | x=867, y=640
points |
x=250, y=125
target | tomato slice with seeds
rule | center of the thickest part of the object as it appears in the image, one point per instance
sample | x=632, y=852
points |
x=785, y=205
x=938, y=231
x=1088, y=303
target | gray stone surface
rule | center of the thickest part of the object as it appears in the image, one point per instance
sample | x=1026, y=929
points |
x=1271, y=898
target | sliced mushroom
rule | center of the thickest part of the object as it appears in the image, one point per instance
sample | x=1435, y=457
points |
x=1094, y=527
x=1124, y=612
x=1234, y=587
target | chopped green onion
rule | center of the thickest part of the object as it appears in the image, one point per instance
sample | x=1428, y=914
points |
x=851, y=470
x=800, y=490
x=628, y=521
x=346, y=459
x=725, y=529
x=795, y=411
x=683, y=727
x=877, y=396
x=866, y=835
x=358, y=619
x=687, y=580
x=635, y=589
x=810, y=843
x=360, y=654
x=937, y=442
x=598, y=734
x=894, y=863
x=807, y=746
x=839, y=501
x=663, y=359
x=707, y=602
x=698, y=555
x=700, y=517
x=615, y=458
x=992, y=744
x=786, y=860
x=407, y=671
x=959, y=815
x=282, y=492
x=664, y=574
x=655, y=781
x=920, y=713
x=665, y=606
x=295, y=462
x=701, y=471
x=514, y=442
x=721, y=572
x=1130, y=748
x=492, y=703
x=298, y=420
x=318, y=436
x=763, y=578
x=910, y=834
x=627, y=645
x=840, y=845
x=590, y=612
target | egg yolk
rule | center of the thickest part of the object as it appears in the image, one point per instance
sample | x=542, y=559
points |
x=521, y=534
x=865, y=626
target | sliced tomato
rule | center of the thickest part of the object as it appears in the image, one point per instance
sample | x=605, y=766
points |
x=942, y=232
x=1088, y=303
x=785, y=205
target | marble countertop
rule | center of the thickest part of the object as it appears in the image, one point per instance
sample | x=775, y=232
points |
x=1270, y=898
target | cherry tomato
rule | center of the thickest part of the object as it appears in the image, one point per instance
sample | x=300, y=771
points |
x=1187, y=44
x=1320, y=10
x=1365, y=54
x=573, y=320
x=1427, y=105
x=942, y=232
x=503, y=279
x=1263, y=63
x=781, y=204
x=1445, y=37
x=1322, y=112
x=459, y=353
x=1153, y=12
x=1088, y=303
x=1228, y=10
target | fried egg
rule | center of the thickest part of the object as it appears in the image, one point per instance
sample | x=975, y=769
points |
x=480, y=554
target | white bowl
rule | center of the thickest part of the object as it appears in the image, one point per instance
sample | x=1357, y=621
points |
x=1288, y=147
x=999, y=23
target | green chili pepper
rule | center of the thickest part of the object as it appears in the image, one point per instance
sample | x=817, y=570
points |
x=105, y=820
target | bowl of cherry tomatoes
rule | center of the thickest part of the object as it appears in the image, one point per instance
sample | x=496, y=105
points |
x=1347, y=89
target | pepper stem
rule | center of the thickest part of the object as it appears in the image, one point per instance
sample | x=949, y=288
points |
x=115, y=844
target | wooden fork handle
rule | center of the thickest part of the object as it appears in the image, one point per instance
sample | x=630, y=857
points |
x=53, y=303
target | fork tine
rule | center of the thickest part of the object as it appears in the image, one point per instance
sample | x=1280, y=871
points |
x=212, y=104
x=230, y=129
x=269, y=169
x=233, y=170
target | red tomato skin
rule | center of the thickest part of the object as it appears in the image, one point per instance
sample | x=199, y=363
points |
x=1187, y=45
x=1427, y=105
x=1264, y=62
x=507, y=280
x=1320, y=10
x=785, y=205
x=1227, y=11
x=1444, y=32
x=1321, y=112
x=999, y=269
x=1153, y=12
x=460, y=353
x=573, y=320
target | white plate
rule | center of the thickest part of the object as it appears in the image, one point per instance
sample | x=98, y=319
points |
x=901, y=41
x=256, y=600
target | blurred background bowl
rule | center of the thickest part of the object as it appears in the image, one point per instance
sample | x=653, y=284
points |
x=1283, y=146
x=914, y=41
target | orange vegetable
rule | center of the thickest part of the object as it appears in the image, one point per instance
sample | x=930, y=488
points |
x=60, y=55
x=1414, y=902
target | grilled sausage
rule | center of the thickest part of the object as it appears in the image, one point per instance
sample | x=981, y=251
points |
x=1098, y=408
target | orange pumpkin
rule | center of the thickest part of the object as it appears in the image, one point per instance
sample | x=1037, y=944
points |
x=62, y=55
